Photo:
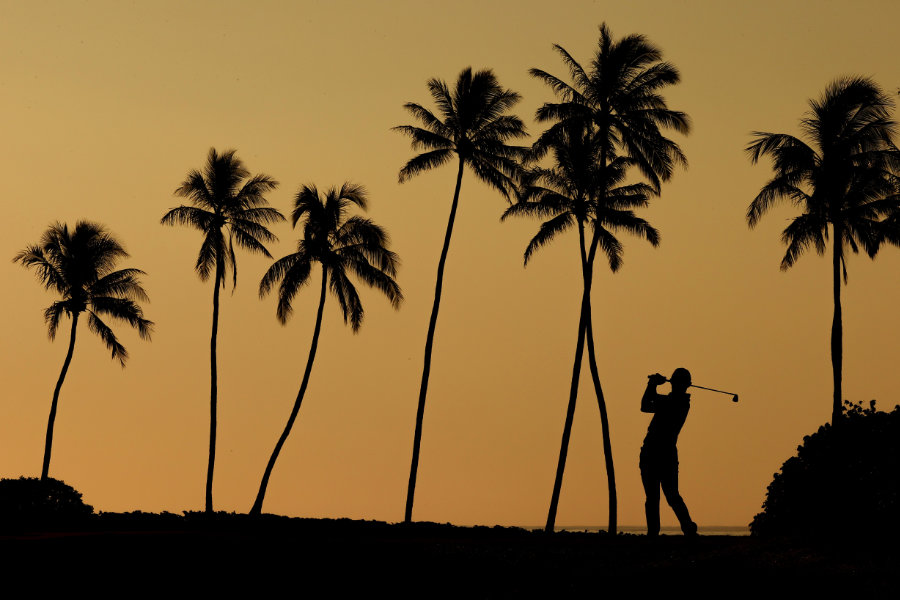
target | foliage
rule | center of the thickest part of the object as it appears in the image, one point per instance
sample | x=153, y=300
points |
x=843, y=481
x=619, y=94
x=473, y=124
x=846, y=178
x=78, y=265
x=342, y=244
x=228, y=205
x=609, y=119
x=31, y=501
x=570, y=192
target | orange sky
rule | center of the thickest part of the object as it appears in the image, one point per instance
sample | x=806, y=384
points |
x=105, y=106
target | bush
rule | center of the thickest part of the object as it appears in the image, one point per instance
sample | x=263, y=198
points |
x=843, y=481
x=29, y=502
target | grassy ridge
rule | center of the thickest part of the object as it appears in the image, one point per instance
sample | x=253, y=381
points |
x=324, y=557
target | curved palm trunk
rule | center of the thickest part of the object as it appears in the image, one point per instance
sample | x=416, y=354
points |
x=604, y=421
x=573, y=391
x=213, y=389
x=837, y=332
x=601, y=400
x=257, y=505
x=50, y=422
x=429, y=342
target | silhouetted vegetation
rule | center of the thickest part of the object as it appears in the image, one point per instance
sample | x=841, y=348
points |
x=29, y=502
x=608, y=120
x=78, y=265
x=847, y=179
x=844, y=481
x=228, y=206
x=363, y=558
x=473, y=124
x=606, y=157
x=342, y=245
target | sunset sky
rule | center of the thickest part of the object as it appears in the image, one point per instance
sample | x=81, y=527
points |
x=105, y=107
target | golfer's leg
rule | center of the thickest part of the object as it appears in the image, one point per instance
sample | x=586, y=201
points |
x=669, y=480
x=650, y=480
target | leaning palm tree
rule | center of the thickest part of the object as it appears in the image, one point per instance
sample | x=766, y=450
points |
x=78, y=265
x=619, y=99
x=568, y=195
x=228, y=206
x=341, y=245
x=844, y=178
x=473, y=125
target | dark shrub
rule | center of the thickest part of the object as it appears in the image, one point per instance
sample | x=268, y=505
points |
x=30, y=502
x=844, y=481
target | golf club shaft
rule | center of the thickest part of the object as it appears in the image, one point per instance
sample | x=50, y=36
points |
x=714, y=390
x=734, y=397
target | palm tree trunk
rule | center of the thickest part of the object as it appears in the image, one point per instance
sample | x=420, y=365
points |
x=257, y=505
x=573, y=395
x=837, y=333
x=50, y=422
x=213, y=390
x=601, y=401
x=604, y=421
x=429, y=342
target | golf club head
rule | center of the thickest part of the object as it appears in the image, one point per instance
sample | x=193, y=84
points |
x=735, y=398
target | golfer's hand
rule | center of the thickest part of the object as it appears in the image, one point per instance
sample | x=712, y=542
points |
x=656, y=379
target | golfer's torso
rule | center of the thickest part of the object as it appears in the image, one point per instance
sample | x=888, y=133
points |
x=666, y=424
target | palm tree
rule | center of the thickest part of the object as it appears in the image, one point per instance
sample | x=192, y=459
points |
x=78, y=265
x=228, y=206
x=844, y=178
x=341, y=245
x=618, y=98
x=473, y=124
x=568, y=194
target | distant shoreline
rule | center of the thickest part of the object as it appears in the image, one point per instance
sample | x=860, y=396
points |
x=736, y=530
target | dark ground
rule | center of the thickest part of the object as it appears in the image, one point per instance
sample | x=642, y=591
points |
x=136, y=554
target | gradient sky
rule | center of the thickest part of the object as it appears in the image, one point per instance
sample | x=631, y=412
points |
x=105, y=106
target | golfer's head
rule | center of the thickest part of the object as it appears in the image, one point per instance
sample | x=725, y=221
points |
x=680, y=379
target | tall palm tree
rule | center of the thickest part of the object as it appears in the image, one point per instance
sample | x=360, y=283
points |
x=843, y=178
x=618, y=97
x=473, y=125
x=568, y=195
x=228, y=206
x=79, y=266
x=341, y=245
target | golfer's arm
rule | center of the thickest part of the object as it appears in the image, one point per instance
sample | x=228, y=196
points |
x=648, y=401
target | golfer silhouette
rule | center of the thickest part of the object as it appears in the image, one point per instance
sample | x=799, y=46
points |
x=659, y=454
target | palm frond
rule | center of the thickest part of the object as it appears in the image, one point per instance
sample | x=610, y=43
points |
x=47, y=270
x=425, y=162
x=125, y=310
x=804, y=231
x=610, y=246
x=52, y=315
x=435, y=130
x=547, y=232
x=248, y=236
x=124, y=283
x=191, y=216
x=348, y=298
x=293, y=275
x=106, y=334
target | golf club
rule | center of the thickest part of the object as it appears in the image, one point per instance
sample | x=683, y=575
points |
x=734, y=397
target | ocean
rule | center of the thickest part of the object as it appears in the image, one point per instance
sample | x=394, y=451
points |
x=642, y=529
